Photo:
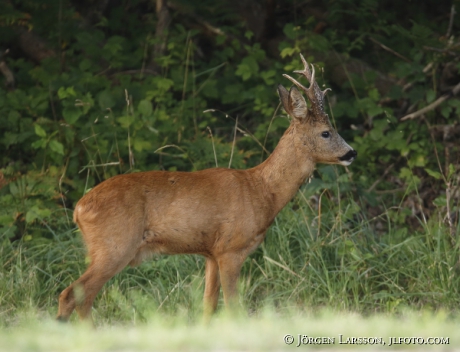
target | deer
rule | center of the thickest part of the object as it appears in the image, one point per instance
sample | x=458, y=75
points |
x=220, y=213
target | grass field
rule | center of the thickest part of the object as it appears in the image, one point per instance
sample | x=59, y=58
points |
x=325, y=269
x=267, y=331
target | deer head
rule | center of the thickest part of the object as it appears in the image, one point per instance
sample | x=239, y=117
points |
x=318, y=139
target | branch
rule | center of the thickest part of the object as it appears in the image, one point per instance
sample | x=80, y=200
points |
x=5, y=70
x=430, y=48
x=384, y=47
x=433, y=105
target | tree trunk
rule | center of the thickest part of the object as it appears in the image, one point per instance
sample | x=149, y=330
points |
x=164, y=19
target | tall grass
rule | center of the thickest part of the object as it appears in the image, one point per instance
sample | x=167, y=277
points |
x=321, y=252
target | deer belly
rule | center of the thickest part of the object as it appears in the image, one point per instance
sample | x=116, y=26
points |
x=176, y=241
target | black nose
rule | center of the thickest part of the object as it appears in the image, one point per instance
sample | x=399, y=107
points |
x=352, y=154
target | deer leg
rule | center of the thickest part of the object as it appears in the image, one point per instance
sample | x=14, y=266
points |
x=73, y=296
x=229, y=268
x=212, y=287
x=81, y=293
x=67, y=303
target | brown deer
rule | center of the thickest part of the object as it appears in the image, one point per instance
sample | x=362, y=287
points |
x=222, y=214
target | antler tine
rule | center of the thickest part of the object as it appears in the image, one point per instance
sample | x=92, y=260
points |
x=298, y=84
x=310, y=75
x=324, y=92
x=306, y=70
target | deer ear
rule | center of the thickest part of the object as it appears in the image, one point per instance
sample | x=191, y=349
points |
x=297, y=104
x=284, y=97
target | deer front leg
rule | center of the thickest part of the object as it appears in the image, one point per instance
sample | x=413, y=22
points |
x=212, y=288
x=229, y=268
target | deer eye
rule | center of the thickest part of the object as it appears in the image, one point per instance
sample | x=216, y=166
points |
x=325, y=134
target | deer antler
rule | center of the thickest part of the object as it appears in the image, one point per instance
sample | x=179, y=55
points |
x=314, y=93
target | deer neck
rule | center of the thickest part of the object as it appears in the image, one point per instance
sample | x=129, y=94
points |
x=285, y=170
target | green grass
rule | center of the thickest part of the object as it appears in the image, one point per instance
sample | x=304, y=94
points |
x=264, y=332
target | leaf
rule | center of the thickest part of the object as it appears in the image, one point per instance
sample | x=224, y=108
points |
x=41, y=143
x=247, y=68
x=455, y=103
x=114, y=45
x=290, y=31
x=30, y=216
x=405, y=173
x=244, y=71
x=105, y=100
x=248, y=35
x=164, y=84
x=349, y=243
x=56, y=146
x=288, y=52
x=71, y=114
x=420, y=31
x=374, y=94
x=86, y=103
x=440, y=201
x=430, y=95
x=268, y=77
x=145, y=107
x=437, y=175
x=64, y=93
x=37, y=213
x=140, y=145
x=445, y=111
x=6, y=220
x=85, y=65
x=39, y=131
x=374, y=110
x=125, y=121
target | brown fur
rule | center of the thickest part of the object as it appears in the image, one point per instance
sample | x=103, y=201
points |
x=222, y=214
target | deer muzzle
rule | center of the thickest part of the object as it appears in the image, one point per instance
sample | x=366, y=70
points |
x=348, y=158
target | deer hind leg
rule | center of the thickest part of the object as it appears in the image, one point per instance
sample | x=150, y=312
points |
x=73, y=295
x=67, y=303
x=229, y=269
x=212, y=288
x=107, y=259
x=92, y=283
x=81, y=293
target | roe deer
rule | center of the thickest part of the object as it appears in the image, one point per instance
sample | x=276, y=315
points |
x=222, y=214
